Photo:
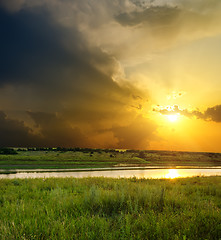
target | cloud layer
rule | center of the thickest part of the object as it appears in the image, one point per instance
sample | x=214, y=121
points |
x=86, y=73
x=69, y=90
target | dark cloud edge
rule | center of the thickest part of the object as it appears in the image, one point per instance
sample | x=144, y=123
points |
x=210, y=114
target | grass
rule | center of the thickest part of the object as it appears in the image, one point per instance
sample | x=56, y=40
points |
x=105, y=158
x=104, y=208
x=69, y=159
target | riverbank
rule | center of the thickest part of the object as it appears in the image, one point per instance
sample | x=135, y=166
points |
x=104, y=208
x=81, y=159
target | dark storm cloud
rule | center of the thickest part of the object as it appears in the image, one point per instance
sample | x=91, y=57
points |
x=12, y=5
x=33, y=52
x=168, y=22
x=50, y=68
x=52, y=61
x=159, y=15
x=31, y=47
x=52, y=131
x=14, y=133
x=56, y=131
x=211, y=114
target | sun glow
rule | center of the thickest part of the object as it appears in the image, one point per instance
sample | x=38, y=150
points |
x=172, y=117
x=172, y=174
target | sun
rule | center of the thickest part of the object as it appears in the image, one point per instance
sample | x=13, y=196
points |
x=172, y=117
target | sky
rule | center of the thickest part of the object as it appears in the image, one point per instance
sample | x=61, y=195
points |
x=130, y=74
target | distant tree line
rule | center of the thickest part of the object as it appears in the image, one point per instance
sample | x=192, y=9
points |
x=8, y=151
x=76, y=149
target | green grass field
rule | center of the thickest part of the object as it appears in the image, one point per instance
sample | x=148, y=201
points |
x=105, y=158
x=101, y=208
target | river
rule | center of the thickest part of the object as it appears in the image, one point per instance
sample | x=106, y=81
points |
x=120, y=173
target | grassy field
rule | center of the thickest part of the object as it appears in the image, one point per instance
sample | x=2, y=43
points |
x=92, y=158
x=100, y=208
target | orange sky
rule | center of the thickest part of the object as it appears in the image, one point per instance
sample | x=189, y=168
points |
x=107, y=74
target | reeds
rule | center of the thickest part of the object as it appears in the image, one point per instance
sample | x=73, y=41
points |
x=102, y=208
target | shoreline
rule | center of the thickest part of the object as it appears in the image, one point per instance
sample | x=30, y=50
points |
x=13, y=171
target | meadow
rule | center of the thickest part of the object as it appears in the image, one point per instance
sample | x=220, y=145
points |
x=59, y=158
x=104, y=208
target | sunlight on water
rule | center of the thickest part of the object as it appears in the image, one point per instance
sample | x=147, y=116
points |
x=173, y=173
x=139, y=173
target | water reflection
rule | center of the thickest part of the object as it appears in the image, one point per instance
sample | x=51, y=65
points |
x=144, y=173
x=173, y=173
x=181, y=173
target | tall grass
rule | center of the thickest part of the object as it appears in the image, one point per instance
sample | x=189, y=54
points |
x=102, y=208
